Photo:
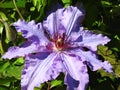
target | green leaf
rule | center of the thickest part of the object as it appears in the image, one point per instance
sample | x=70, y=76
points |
x=19, y=61
x=56, y=83
x=117, y=68
x=117, y=37
x=67, y=2
x=14, y=71
x=6, y=81
x=1, y=28
x=3, y=66
x=106, y=3
x=115, y=11
x=3, y=88
x=104, y=85
x=104, y=74
x=40, y=87
x=1, y=48
x=32, y=9
x=10, y=33
x=9, y=4
x=39, y=4
x=3, y=16
x=106, y=54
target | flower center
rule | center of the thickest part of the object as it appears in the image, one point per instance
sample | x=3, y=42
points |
x=59, y=44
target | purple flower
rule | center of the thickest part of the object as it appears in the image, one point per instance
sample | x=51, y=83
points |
x=58, y=45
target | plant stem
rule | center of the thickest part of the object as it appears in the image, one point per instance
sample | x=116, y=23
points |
x=18, y=10
x=48, y=83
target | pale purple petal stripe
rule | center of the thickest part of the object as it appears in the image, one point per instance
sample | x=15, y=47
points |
x=85, y=38
x=39, y=74
x=60, y=20
x=31, y=31
x=77, y=70
x=15, y=51
x=93, y=62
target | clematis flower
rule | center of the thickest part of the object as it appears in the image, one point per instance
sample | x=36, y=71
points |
x=58, y=44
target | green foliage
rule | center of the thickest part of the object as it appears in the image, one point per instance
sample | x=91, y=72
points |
x=102, y=16
x=107, y=54
x=55, y=83
x=39, y=4
x=10, y=4
x=67, y=2
x=106, y=3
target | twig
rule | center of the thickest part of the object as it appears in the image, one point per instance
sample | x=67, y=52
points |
x=18, y=10
x=48, y=83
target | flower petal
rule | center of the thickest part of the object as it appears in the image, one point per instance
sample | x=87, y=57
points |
x=77, y=77
x=36, y=70
x=73, y=20
x=31, y=31
x=93, y=62
x=14, y=51
x=90, y=40
x=59, y=21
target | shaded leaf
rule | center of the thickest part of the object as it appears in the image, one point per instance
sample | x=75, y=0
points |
x=3, y=16
x=10, y=33
x=6, y=81
x=106, y=54
x=1, y=48
x=104, y=74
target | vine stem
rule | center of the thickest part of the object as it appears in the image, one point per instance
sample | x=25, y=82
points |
x=18, y=10
x=1, y=44
x=48, y=88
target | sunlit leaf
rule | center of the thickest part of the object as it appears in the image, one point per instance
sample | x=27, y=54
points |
x=56, y=83
x=67, y=2
x=117, y=68
x=41, y=87
x=39, y=4
x=1, y=28
x=117, y=37
x=14, y=71
x=106, y=3
x=32, y=8
x=9, y=4
x=104, y=74
x=19, y=61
